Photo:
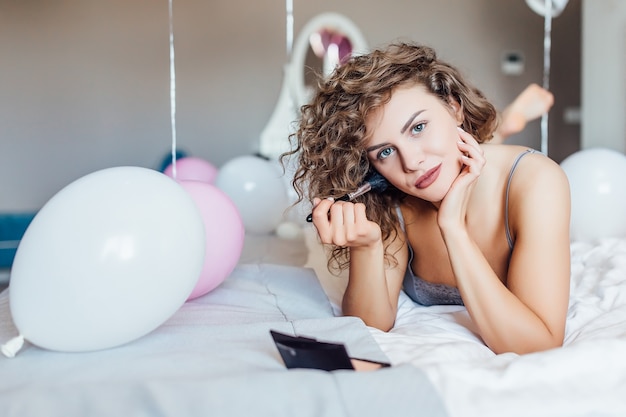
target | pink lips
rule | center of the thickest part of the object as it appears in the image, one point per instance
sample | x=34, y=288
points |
x=428, y=178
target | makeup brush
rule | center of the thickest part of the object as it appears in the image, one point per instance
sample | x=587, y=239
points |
x=375, y=182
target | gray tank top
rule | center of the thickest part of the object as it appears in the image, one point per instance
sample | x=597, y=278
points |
x=427, y=293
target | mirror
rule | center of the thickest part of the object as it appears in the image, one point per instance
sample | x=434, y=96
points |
x=328, y=48
x=323, y=43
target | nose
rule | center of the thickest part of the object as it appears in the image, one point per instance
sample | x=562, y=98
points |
x=411, y=158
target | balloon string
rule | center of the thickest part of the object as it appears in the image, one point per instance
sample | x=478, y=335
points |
x=289, y=7
x=10, y=348
x=172, y=90
x=547, y=43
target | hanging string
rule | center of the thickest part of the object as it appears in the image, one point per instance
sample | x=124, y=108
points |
x=547, y=44
x=289, y=31
x=172, y=91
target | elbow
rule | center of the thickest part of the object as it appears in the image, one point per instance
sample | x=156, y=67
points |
x=383, y=325
x=382, y=319
x=552, y=340
x=383, y=322
x=532, y=346
x=529, y=339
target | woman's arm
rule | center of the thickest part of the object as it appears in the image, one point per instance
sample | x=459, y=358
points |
x=373, y=287
x=528, y=313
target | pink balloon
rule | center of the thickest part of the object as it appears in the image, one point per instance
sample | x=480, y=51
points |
x=192, y=168
x=224, y=231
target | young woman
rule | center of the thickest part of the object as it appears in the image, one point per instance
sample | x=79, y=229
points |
x=462, y=222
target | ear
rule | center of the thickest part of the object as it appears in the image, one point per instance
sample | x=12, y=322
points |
x=457, y=110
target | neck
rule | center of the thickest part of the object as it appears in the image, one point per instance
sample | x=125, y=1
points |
x=423, y=204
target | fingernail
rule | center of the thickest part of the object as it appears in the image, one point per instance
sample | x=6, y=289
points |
x=330, y=198
x=460, y=129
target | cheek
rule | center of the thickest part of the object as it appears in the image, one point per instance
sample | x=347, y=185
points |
x=450, y=143
x=386, y=170
x=390, y=170
x=454, y=167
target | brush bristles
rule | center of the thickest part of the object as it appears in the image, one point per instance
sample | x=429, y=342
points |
x=378, y=182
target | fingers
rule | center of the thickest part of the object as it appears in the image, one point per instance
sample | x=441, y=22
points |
x=469, y=142
x=472, y=154
x=453, y=209
x=320, y=209
x=340, y=223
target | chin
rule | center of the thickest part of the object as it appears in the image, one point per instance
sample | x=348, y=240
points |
x=430, y=194
x=439, y=191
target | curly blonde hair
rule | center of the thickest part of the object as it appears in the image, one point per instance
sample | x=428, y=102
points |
x=331, y=137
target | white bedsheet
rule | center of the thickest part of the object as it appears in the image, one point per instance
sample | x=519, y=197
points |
x=587, y=377
x=215, y=357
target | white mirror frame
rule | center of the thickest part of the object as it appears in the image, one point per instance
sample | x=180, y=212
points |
x=330, y=20
x=294, y=93
x=274, y=139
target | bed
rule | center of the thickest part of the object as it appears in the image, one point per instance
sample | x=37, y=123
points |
x=215, y=355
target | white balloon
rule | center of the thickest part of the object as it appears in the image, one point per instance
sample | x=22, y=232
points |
x=258, y=190
x=598, y=193
x=289, y=230
x=107, y=260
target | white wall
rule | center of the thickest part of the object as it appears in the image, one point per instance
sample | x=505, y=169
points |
x=604, y=74
x=84, y=84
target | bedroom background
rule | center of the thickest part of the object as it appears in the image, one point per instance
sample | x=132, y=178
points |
x=84, y=85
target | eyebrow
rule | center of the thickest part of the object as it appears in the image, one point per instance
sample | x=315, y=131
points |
x=373, y=148
x=408, y=122
x=404, y=128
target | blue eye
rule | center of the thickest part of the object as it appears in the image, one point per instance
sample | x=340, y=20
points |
x=385, y=153
x=419, y=127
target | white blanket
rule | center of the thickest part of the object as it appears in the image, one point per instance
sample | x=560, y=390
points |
x=215, y=357
x=434, y=350
x=587, y=377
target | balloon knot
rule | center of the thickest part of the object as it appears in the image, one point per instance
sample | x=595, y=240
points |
x=10, y=348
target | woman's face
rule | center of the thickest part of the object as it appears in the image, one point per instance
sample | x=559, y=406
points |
x=414, y=142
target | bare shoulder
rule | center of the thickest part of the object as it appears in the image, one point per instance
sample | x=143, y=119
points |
x=540, y=173
x=539, y=187
x=538, y=184
x=532, y=167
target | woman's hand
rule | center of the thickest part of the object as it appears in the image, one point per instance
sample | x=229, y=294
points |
x=344, y=223
x=372, y=291
x=454, y=205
